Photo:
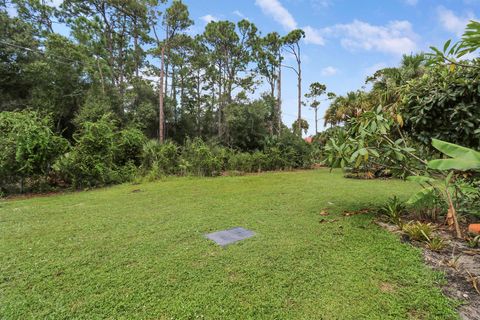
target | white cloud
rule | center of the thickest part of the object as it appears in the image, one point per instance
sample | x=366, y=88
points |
x=396, y=37
x=313, y=36
x=240, y=14
x=329, y=71
x=453, y=23
x=278, y=12
x=411, y=2
x=209, y=18
x=320, y=4
x=281, y=15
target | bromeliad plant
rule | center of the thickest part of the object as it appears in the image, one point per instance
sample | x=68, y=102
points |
x=461, y=159
x=393, y=210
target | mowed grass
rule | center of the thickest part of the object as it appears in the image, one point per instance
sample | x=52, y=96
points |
x=117, y=254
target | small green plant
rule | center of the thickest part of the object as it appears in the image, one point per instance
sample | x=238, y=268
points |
x=394, y=209
x=453, y=262
x=418, y=231
x=436, y=244
x=474, y=242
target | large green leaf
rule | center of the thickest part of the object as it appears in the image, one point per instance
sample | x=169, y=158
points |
x=454, y=164
x=454, y=150
x=421, y=195
x=462, y=158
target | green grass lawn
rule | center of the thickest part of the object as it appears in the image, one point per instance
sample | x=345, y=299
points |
x=111, y=253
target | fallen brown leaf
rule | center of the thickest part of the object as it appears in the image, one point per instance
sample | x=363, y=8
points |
x=352, y=213
x=327, y=221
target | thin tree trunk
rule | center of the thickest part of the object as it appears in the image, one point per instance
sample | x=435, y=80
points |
x=199, y=105
x=220, y=102
x=135, y=41
x=174, y=97
x=101, y=76
x=182, y=93
x=212, y=106
x=452, y=216
x=167, y=38
x=161, y=130
x=299, y=93
x=279, y=97
x=316, y=121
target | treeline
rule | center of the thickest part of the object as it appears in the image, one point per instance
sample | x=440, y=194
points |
x=86, y=85
x=35, y=158
x=137, y=61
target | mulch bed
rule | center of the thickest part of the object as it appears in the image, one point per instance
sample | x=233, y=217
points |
x=459, y=263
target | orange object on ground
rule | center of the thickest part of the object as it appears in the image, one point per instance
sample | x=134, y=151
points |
x=474, y=228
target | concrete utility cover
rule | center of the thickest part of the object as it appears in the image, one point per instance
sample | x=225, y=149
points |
x=229, y=236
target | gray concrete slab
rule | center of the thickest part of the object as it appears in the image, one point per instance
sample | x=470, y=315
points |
x=226, y=237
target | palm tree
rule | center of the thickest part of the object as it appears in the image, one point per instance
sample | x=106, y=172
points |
x=412, y=66
x=314, y=106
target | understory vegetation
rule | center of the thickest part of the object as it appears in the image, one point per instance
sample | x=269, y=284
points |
x=35, y=158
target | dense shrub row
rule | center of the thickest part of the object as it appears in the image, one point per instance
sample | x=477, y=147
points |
x=28, y=147
x=102, y=154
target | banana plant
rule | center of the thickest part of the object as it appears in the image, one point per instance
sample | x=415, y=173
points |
x=460, y=159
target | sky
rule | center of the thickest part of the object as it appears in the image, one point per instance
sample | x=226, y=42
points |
x=346, y=40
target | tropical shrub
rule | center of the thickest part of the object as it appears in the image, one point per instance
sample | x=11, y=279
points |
x=436, y=243
x=28, y=146
x=467, y=196
x=247, y=124
x=241, y=161
x=130, y=143
x=443, y=104
x=428, y=204
x=199, y=158
x=274, y=158
x=373, y=143
x=259, y=161
x=287, y=151
x=161, y=158
x=91, y=162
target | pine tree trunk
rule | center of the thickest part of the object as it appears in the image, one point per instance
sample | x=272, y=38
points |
x=199, y=105
x=299, y=95
x=161, y=129
x=220, y=102
x=279, y=98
